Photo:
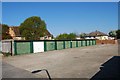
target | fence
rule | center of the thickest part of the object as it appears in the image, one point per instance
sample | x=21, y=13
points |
x=27, y=47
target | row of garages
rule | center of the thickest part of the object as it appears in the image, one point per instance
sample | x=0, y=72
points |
x=16, y=47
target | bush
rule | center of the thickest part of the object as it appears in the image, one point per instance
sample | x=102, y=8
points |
x=6, y=54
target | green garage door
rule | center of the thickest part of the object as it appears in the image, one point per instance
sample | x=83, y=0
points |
x=22, y=48
x=94, y=42
x=79, y=43
x=88, y=43
x=50, y=45
x=67, y=44
x=60, y=45
x=73, y=44
x=83, y=43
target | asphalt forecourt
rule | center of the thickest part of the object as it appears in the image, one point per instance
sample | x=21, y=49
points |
x=83, y=62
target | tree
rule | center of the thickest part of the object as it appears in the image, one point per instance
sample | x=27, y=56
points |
x=72, y=36
x=63, y=36
x=113, y=33
x=5, y=32
x=33, y=28
x=82, y=35
x=66, y=36
x=118, y=34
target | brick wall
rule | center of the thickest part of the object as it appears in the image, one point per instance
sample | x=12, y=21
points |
x=106, y=41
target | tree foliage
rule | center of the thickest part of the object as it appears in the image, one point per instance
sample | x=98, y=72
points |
x=66, y=36
x=5, y=32
x=62, y=36
x=118, y=34
x=33, y=28
x=82, y=35
x=72, y=36
x=113, y=33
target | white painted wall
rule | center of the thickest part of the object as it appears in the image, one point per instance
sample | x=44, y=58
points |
x=38, y=47
x=89, y=38
x=104, y=37
x=6, y=46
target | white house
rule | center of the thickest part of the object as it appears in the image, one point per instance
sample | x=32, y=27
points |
x=97, y=35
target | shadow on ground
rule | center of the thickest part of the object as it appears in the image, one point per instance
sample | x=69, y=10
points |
x=110, y=70
x=9, y=71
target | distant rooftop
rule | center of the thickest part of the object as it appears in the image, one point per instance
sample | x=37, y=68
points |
x=97, y=33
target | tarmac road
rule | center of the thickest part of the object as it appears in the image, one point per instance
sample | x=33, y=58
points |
x=83, y=62
x=10, y=71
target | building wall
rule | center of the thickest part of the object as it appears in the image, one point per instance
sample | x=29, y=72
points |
x=89, y=38
x=18, y=38
x=11, y=32
x=103, y=38
x=98, y=37
x=105, y=41
x=46, y=38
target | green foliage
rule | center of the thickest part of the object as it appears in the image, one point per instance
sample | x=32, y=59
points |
x=6, y=54
x=66, y=36
x=118, y=34
x=33, y=28
x=82, y=35
x=113, y=33
x=72, y=36
x=62, y=36
x=5, y=32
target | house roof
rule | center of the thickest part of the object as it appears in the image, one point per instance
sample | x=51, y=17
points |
x=15, y=30
x=47, y=33
x=97, y=33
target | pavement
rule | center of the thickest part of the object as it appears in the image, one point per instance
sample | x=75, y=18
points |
x=83, y=62
x=10, y=71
